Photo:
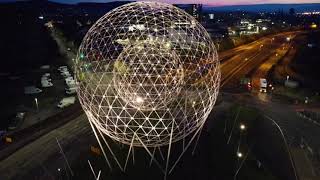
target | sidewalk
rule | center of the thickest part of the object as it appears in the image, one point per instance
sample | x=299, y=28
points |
x=303, y=164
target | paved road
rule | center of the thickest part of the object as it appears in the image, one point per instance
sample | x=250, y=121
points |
x=247, y=61
x=296, y=129
x=44, y=155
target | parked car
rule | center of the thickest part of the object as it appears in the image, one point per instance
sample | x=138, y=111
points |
x=46, y=79
x=62, y=67
x=17, y=120
x=67, y=101
x=66, y=74
x=70, y=83
x=45, y=67
x=31, y=90
x=69, y=78
x=46, y=75
x=71, y=91
x=46, y=84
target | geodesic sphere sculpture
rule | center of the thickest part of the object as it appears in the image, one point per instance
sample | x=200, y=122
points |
x=148, y=74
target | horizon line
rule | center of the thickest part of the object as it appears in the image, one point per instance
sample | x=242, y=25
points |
x=210, y=5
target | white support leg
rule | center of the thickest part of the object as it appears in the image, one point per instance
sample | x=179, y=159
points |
x=195, y=146
x=133, y=155
x=161, y=154
x=94, y=174
x=129, y=152
x=195, y=134
x=169, y=151
x=101, y=147
x=150, y=154
x=113, y=155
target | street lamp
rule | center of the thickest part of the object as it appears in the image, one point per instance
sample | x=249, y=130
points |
x=242, y=127
x=261, y=46
x=36, y=100
x=239, y=154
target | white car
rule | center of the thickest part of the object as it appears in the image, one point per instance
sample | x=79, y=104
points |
x=46, y=75
x=62, y=67
x=69, y=78
x=46, y=84
x=63, y=71
x=45, y=79
x=70, y=88
x=71, y=84
x=71, y=91
x=45, y=67
x=65, y=102
x=65, y=74
x=32, y=90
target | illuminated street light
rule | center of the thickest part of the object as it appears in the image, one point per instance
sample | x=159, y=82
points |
x=37, y=105
x=242, y=127
x=261, y=46
x=239, y=154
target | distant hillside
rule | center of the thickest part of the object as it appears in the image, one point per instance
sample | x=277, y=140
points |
x=92, y=6
x=266, y=7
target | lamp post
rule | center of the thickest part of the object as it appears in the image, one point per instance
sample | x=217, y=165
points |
x=37, y=105
x=242, y=127
x=240, y=156
x=272, y=40
x=261, y=47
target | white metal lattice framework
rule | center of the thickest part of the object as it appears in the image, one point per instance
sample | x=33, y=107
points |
x=148, y=74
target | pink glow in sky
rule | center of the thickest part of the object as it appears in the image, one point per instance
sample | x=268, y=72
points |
x=237, y=2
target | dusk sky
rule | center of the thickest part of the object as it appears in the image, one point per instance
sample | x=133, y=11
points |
x=215, y=2
x=207, y=2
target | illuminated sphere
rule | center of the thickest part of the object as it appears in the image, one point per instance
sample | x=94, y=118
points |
x=147, y=72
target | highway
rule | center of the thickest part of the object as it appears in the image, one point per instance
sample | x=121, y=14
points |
x=246, y=61
x=42, y=158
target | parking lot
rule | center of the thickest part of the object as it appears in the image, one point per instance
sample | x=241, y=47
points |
x=36, y=105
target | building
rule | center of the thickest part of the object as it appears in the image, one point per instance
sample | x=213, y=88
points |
x=193, y=9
